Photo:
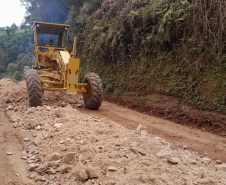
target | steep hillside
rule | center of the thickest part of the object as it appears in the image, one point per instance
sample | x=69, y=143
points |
x=169, y=46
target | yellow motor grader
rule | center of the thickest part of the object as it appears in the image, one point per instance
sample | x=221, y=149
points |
x=57, y=70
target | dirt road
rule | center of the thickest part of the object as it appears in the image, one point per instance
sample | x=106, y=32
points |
x=197, y=140
x=12, y=168
x=67, y=143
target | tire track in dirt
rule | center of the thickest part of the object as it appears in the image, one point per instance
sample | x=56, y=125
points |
x=11, y=165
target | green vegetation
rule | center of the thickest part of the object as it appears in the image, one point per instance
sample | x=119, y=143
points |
x=170, y=46
x=16, y=51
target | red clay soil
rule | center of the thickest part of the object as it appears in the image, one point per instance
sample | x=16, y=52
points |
x=181, y=114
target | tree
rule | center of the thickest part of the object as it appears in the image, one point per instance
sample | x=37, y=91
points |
x=8, y=30
x=12, y=68
x=25, y=26
x=54, y=11
x=2, y=29
x=13, y=28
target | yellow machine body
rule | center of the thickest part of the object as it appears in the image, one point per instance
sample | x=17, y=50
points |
x=58, y=70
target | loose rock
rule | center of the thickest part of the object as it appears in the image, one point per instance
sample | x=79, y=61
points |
x=93, y=172
x=218, y=162
x=52, y=171
x=221, y=167
x=40, y=178
x=206, y=160
x=110, y=183
x=134, y=150
x=112, y=168
x=55, y=156
x=142, y=151
x=31, y=110
x=166, y=153
x=58, y=113
x=26, y=139
x=69, y=157
x=31, y=167
x=173, y=160
x=83, y=175
x=139, y=127
x=32, y=148
x=33, y=123
x=79, y=105
x=65, y=168
x=48, y=108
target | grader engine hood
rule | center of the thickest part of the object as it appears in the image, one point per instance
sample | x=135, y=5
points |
x=71, y=65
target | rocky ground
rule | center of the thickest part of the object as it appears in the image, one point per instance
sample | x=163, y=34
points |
x=60, y=145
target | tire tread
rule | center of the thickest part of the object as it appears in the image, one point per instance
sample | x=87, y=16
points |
x=34, y=88
x=26, y=68
x=95, y=100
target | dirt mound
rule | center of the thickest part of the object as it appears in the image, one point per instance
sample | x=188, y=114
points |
x=16, y=95
x=64, y=146
x=69, y=147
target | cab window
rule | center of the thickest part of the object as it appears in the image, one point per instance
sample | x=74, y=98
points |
x=51, y=36
x=48, y=40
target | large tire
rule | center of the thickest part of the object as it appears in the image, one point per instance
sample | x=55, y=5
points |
x=26, y=68
x=34, y=88
x=94, y=96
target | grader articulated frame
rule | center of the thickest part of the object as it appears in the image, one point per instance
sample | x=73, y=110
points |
x=57, y=70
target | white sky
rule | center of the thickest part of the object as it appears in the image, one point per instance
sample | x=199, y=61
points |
x=11, y=12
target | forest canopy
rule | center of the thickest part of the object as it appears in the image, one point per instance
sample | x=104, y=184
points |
x=16, y=51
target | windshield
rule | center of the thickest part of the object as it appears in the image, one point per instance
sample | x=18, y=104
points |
x=48, y=40
x=51, y=36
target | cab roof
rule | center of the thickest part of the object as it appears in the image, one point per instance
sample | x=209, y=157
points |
x=49, y=28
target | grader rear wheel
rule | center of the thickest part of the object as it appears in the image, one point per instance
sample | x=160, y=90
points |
x=26, y=68
x=34, y=88
x=94, y=96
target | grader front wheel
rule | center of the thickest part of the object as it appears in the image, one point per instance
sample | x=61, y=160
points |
x=93, y=97
x=34, y=88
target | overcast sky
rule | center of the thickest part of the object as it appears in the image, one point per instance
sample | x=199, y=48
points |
x=11, y=12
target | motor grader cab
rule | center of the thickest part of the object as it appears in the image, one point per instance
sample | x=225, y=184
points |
x=57, y=70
